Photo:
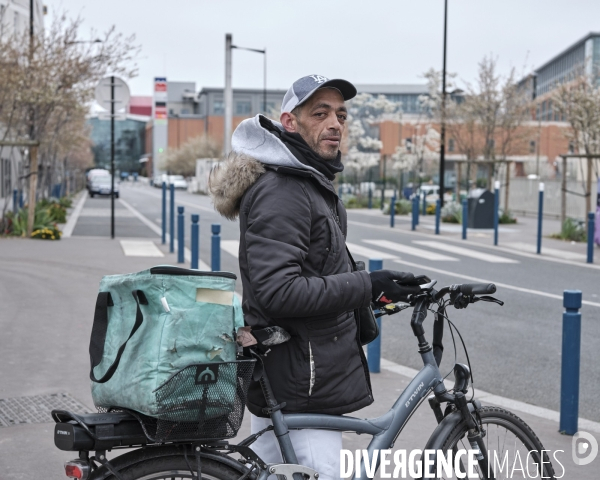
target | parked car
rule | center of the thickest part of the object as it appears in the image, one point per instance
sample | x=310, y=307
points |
x=178, y=181
x=95, y=173
x=159, y=179
x=100, y=185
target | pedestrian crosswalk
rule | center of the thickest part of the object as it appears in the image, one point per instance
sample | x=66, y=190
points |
x=387, y=250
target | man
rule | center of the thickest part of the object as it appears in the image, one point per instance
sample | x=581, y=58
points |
x=295, y=270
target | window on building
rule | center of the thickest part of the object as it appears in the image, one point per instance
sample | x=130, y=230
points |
x=185, y=111
x=243, y=107
x=571, y=147
x=491, y=144
x=218, y=107
x=532, y=146
x=451, y=145
x=408, y=144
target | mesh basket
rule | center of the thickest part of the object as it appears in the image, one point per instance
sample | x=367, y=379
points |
x=201, y=401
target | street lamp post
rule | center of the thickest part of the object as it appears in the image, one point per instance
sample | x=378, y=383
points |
x=443, y=122
x=229, y=92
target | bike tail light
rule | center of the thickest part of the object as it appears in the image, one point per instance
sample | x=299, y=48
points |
x=77, y=469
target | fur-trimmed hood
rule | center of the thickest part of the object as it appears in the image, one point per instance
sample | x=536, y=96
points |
x=254, y=143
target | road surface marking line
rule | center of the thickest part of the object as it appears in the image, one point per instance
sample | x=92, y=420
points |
x=232, y=247
x=480, y=245
x=503, y=285
x=508, y=403
x=486, y=257
x=140, y=248
x=532, y=248
x=156, y=229
x=415, y=252
x=68, y=231
x=369, y=253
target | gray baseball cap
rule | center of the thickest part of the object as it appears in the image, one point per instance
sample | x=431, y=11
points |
x=302, y=89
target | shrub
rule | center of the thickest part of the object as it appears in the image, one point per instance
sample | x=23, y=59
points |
x=361, y=202
x=571, y=230
x=401, y=207
x=452, y=212
x=430, y=209
x=506, y=217
x=42, y=222
x=45, y=233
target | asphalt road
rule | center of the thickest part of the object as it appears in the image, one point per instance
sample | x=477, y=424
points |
x=515, y=350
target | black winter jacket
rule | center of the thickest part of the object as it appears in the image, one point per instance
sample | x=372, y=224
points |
x=296, y=274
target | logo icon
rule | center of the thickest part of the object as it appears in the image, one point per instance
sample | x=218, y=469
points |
x=319, y=78
x=584, y=448
x=206, y=374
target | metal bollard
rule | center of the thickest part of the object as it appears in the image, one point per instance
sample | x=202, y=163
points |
x=195, y=240
x=21, y=199
x=180, y=237
x=374, y=348
x=424, y=205
x=496, y=207
x=417, y=210
x=465, y=218
x=590, y=236
x=571, y=351
x=370, y=198
x=392, y=211
x=382, y=197
x=413, y=219
x=215, y=258
x=172, y=220
x=438, y=214
x=15, y=201
x=540, y=214
x=164, y=212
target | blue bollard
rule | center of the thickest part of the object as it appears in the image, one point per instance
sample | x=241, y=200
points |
x=180, y=237
x=417, y=210
x=571, y=351
x=382, y=197
x=590, y=236
x=438, y=214
x=15, y=201
x=540, y=214
x=496, y=213
x=215, y=263
x=465, y=218
x=392, y=211
x=195, y=240
x=424, y=205
x=370, y=198
x=21, y=199
x=164, y=212
x=172, y=219
x=413, y=216
x=374, y=348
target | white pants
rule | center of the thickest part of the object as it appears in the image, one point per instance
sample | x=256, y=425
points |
x=317, y=449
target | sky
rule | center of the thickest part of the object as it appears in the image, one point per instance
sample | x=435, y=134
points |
x=375, y=41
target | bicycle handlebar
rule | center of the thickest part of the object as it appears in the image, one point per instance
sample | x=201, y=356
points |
x=477, y=288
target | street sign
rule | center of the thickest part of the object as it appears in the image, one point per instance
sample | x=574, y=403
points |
x=103, y=93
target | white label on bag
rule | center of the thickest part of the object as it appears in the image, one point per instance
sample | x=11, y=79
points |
x=220, y=297
x=165, y=305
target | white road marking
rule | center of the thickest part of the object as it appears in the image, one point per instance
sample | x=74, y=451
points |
x=232, y=247
x=420, y=267
x=156, y=229
x=508, y=403
x=416, y=252
x=68, y=231
x=369, y=253
x=532, y=248
x=486, y=257
x=140, y=248
x=158, y=195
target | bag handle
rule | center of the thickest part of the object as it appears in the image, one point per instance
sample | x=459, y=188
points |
x=99, y=332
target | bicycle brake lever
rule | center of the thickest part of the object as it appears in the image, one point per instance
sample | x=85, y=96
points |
x=487, y=298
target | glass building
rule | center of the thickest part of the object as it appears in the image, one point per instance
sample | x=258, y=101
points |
x=130, y=137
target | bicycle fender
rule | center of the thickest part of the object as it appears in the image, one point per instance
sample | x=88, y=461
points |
x=444, y=428
x=149, y=453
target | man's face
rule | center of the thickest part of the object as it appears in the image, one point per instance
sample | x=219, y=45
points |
x=321, y=122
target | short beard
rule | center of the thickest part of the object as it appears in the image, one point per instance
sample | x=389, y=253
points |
x=328, y=155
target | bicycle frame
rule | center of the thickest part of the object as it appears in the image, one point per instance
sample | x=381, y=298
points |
x=384, y=429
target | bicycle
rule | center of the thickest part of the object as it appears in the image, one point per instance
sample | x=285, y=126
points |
x=463, y=424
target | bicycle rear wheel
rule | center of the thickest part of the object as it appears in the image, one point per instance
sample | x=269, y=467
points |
x=176, y=468
x=510, y=445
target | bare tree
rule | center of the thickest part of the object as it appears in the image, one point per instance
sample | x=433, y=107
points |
x=182, y=161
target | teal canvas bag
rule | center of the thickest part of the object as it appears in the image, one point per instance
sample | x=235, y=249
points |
x=149, y=326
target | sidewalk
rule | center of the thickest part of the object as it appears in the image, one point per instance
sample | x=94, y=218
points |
x=48, y=291
x=520, y=238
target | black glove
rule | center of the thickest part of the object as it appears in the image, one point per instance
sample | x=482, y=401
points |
x=389, y=286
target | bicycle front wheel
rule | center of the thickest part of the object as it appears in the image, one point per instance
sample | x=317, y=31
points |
x=510, y=445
